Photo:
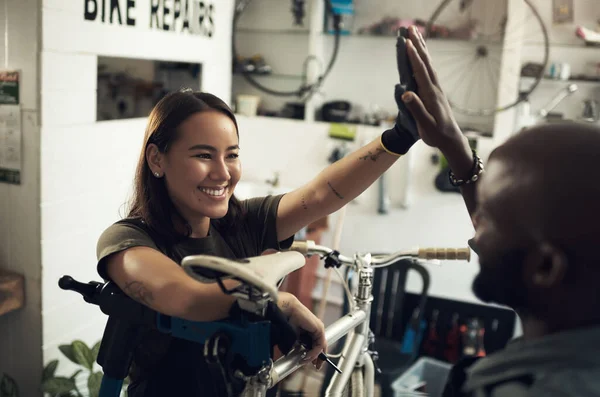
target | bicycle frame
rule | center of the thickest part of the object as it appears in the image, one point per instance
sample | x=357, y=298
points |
x=355, y=350
x=252, y=337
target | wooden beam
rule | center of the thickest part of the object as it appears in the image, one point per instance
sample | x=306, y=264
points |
x=12, y=291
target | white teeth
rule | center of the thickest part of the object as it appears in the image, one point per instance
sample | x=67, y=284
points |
x=213, y=192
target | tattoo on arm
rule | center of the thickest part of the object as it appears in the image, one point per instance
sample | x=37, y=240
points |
x=304, y=203
x=285, y=309
x=371, y=156
x=138, y=291
x=335, y=191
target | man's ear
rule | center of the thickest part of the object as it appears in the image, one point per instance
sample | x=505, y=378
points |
x=546, y=266
x=155, y=161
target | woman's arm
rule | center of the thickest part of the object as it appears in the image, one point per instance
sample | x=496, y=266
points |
x=333, y=188
x=156, y=281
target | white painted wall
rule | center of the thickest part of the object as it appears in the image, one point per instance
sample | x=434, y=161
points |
x=20, y=331
x=87, y=166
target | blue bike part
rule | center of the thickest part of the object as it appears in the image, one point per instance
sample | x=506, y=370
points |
x=249, y=340
x=110, y=387
x=412, y=337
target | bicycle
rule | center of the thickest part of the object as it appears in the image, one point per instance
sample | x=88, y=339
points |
x=239, y=348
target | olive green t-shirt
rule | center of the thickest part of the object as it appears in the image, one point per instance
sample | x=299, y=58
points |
x=164, y=365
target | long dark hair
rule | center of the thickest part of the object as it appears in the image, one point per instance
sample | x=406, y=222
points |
x=150, y=201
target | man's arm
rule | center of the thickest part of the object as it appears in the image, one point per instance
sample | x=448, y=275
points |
x=460, y=161
x=435, y=120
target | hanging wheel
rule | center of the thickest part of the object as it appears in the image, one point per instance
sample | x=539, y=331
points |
x=482, y=35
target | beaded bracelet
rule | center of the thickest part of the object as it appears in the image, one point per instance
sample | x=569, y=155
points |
x=475, y=173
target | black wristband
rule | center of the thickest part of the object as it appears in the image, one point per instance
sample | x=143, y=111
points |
x=397, y=140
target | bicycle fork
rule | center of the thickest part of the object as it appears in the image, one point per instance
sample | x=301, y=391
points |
x=355, y=352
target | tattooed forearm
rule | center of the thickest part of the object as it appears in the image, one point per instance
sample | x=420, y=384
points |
x=335, y=191
x=138, y=291
x=372, y=156
x=304, y=203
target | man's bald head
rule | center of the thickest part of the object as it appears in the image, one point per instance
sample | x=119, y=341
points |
x=538, y=221
x=555, y=174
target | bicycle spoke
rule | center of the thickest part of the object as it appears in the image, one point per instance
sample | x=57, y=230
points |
x=450, y=61
x=461, y=76
x=479, y=86
x=468, y=92
x=493, y=87
x=451, y=51
x=461, y=66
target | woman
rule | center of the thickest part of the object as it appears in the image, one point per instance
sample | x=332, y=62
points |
x=184, y=204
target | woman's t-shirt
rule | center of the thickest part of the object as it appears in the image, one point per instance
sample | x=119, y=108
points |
x=168, y=366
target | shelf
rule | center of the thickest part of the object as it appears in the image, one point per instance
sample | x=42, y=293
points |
x=571, y=80
x=574, y=46
x=274, y=31
x=272, y=75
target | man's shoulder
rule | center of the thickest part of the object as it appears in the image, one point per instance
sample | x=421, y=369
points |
x=568, y=382
x=580, y=382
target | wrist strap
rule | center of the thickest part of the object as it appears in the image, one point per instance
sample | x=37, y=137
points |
x=396, y=141
x=386, y=149
x=476, y=172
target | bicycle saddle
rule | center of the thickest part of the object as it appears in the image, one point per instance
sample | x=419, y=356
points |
x=262, y=272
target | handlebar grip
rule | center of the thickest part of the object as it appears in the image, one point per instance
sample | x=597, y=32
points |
x=445, y=253
x=305, y=247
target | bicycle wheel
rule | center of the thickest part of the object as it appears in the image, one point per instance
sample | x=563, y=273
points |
x=472, y=39
x=356, y=384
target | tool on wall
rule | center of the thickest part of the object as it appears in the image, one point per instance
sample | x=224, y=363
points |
x=432, y=342
x=305, y=91
x=452, y=346
x=526, y=118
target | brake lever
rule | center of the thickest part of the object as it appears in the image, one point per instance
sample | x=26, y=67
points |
x=306, y=341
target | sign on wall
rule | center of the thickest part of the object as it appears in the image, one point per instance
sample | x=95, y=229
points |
x=10, y=127
x=196, y=17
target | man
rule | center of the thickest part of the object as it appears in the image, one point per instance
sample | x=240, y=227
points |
x=537, y=220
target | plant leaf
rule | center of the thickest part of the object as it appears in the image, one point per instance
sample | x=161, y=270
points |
x=69, y=352
x=59, y=385
x=94, y=382
x=83, y=354
x=8, y=387
x=49, y=370
x=76, y=373
x=95, y=350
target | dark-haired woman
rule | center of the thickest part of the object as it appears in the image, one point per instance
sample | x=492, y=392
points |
x=184, y=204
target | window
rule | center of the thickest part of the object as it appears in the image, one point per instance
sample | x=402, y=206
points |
x=129, y=88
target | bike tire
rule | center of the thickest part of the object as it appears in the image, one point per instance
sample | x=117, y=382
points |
x=356, y=384
x=523, y=95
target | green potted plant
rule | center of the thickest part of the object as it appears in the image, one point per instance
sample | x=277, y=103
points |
x=8, y=387
x=85, y=357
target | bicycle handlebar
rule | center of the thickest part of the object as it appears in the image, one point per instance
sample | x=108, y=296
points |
x=309, y=248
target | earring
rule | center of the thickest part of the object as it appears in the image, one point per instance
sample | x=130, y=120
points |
x=156, y=174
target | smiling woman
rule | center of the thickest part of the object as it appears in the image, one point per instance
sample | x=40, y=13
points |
x=184, y=204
